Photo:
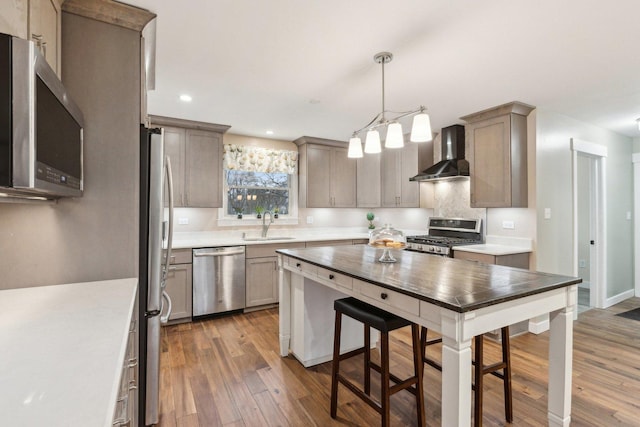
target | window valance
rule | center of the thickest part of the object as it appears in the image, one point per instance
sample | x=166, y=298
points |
x=256, y=159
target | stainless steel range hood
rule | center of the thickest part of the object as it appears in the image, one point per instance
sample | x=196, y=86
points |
x=454, y=165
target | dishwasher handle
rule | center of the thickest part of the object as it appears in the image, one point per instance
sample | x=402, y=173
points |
x=219, y=252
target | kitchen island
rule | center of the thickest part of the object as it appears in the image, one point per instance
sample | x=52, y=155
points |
x=458, y=298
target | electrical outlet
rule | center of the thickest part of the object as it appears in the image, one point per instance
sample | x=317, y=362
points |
x=628, y=216
x=582, y=263
x=547, y=213
x=183, y=221
x=309, y=220
x=509, y=225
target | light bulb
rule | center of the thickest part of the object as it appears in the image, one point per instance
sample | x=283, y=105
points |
x=355, y=147
x=421, y=129
x=394, y=137
x=372, y=142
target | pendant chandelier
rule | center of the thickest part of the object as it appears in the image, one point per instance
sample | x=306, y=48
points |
x=420, y=131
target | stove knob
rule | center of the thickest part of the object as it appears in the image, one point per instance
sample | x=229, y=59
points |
x=438, y=250
x=432, y=249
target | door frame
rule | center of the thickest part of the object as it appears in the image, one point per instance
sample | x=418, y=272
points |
x=636, y=220
x=598, y=261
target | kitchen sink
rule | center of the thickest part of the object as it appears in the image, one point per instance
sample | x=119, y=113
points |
x=261, y=239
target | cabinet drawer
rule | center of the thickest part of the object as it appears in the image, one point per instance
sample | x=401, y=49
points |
x=337, y=278
x=181, y=256
x=263, y=251
x=388, y=297
x=473, y=256
x=303, y=267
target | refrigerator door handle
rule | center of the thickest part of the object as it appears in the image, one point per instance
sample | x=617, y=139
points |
x=165, y=297
x=165, y=268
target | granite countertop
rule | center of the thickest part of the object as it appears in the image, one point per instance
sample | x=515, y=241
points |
x=62, y=352
x=499, y=245
x=204, y=239
x=455, y=284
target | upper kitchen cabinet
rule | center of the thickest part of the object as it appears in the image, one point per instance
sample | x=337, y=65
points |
x=397, y=166
x=327, y=176
x=498, y=156
x=45, y=21
x=195, y=151
x=13, y=18
x=368, y=181
x=36, y=20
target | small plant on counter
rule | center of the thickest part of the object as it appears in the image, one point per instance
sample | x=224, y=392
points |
x=259, y=210
x=238, y=212
x=276, y=211
x=370, y=218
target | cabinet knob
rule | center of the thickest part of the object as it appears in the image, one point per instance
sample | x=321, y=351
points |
x=384, y=295
x=331, y=277
x=298, y=264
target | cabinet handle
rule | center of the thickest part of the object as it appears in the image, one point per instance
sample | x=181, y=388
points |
x=331, y=277
x=173, y=268
x=133, y=385
x=384, y=295
x=132, y=363
x=298, y=264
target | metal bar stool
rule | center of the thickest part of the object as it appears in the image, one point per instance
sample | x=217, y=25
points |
x=480, y=371
x=373, y=317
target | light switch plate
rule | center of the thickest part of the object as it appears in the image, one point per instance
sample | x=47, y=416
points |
x=183, y=221
x=309, y=220
x=547, y=213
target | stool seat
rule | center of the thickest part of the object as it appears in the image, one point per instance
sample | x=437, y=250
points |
x=374, y=317
x=368, y=314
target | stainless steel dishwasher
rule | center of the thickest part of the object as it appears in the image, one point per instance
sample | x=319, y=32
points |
x=218, y=280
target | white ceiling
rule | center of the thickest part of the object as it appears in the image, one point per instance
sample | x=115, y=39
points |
x=306, y=67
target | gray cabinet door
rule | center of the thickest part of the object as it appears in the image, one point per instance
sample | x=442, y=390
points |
x=319, y=176
x=389, y=175
x=262, y=281
x=409, y=190
x=203, y=180
x=343, y=179
x=44, y=29
x=368, y=181
x=179, y=288
x=174, y=141
x=489, y=162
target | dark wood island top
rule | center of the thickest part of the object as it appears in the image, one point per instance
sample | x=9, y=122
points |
x=455, y=284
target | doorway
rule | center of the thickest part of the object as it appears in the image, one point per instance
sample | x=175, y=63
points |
x=589, y=222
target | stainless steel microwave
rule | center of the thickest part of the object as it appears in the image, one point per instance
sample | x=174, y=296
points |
x=41, y=128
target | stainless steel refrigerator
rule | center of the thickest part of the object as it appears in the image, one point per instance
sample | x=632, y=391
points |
x=156, y=233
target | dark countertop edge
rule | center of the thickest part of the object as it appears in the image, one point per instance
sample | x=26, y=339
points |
x=456, y=308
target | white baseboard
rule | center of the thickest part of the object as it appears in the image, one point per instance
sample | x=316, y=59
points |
x=619, y=298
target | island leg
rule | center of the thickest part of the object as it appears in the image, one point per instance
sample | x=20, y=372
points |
x=456, y=382
x=560, y=366
x=284, y=309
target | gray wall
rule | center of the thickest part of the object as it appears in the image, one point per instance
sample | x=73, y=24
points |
x=94, y=237
x=555, y=240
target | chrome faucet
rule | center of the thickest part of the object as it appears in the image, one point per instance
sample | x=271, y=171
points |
x=265, y=226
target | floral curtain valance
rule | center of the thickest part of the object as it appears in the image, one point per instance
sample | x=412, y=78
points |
x=256, y=159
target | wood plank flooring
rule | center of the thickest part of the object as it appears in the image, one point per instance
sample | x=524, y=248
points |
x=227, y=372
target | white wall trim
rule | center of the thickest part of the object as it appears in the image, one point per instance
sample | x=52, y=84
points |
x=599, y=153
x=635, y=158
x=618, y=298
x=588, y=148
x=539, y=324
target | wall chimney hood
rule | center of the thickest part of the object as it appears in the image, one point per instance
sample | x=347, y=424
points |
x=453, y=165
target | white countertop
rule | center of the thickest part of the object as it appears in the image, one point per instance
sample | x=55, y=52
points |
x=61, y=352
x=203, y=239
x=499, y=245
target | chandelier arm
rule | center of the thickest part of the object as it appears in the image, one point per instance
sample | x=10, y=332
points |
x=368, y=125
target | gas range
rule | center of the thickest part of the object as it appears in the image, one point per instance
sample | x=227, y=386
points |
x=445, y=233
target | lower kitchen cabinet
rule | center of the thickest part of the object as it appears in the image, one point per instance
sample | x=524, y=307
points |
x=511, y=260
x=126, y=411
x=262, y=281
x=261, y=273
x=180, y=286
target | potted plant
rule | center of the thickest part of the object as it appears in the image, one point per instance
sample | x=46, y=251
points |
x=238, y=212
x=259, y=210
x=276, y=210
x=370, y=217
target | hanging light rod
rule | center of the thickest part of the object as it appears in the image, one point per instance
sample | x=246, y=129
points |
x=420, y=131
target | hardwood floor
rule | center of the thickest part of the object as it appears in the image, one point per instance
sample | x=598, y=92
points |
x=227, y=372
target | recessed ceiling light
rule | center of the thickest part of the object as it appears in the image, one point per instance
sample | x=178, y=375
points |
x=269, y=132
x=185, y=98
